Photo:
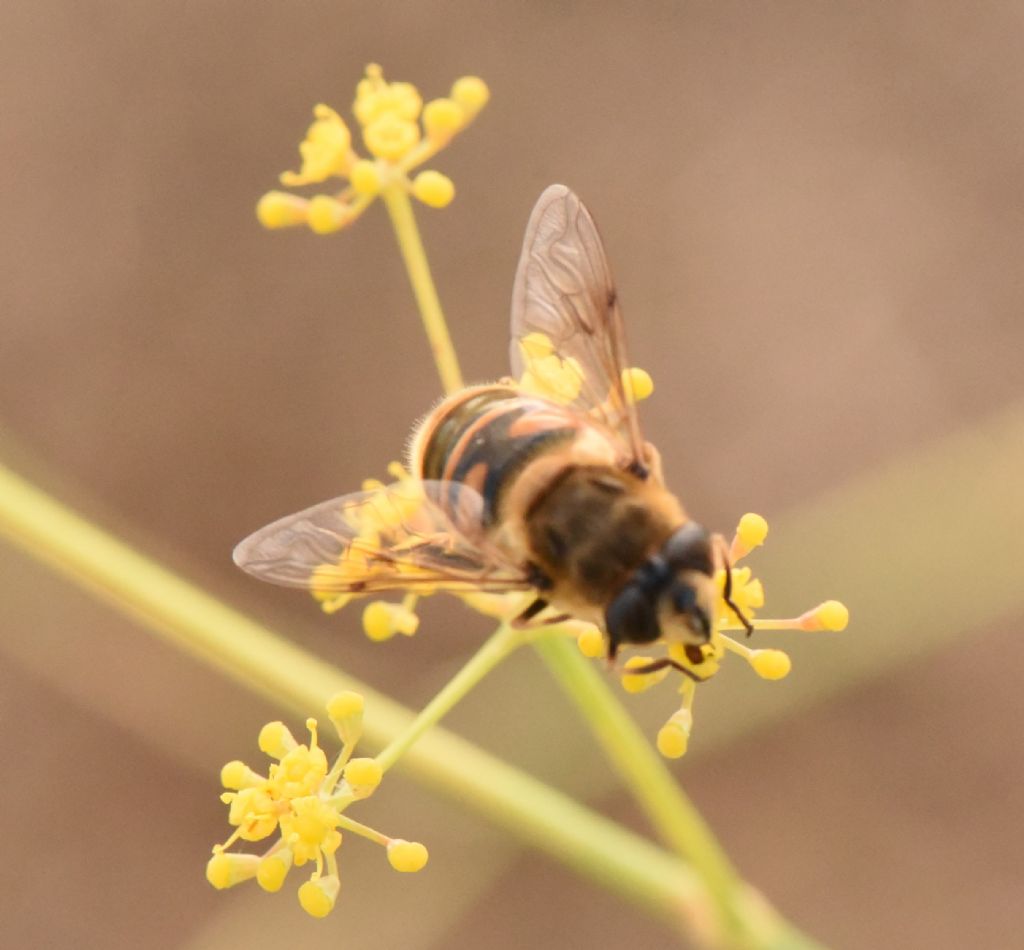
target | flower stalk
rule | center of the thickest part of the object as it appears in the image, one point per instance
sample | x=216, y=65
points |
x=396, y=200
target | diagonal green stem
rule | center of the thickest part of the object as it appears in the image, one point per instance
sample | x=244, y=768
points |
x=498, y=646
x=644, y=773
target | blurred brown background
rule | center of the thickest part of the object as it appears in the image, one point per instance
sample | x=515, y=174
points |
x=815, y=216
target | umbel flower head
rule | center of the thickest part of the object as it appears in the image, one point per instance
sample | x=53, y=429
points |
x=303, y=799
x=560, y=380
x=399, y=132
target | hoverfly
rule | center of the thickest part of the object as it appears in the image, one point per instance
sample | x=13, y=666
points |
x=542, y=482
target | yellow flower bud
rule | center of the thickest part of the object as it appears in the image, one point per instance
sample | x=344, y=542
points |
x=408, y=856
x=834, y=615
x=770, y=664
x=363, y=776
x=674, y=736
x=382, y=620
x=226, y=870
x=278, y=209
x=365, y=177
x=471, y=93
x=327, y=214
x=317, y=896
x=752, y=530
x=638, y=682
x=637, y=384
x=442, y=118
x=831, y=615
x=346, y=712
x=273, y=869
x=433, y=189
x=591, y=643
x=276, y=740
x=238, y=775
x=345, y=705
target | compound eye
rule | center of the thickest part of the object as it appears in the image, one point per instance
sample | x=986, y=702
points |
x=689, y=548
x=684, y=600
x=631, y=618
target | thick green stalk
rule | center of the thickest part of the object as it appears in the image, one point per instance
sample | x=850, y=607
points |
x=644, y=773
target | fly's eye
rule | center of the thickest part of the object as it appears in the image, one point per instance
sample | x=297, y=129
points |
x=684, y=599
x=631, y=618
x=689, y=548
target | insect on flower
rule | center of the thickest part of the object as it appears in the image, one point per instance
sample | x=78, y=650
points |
x=541, y=482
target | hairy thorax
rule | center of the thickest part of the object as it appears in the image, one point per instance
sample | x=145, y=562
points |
x=594, y=526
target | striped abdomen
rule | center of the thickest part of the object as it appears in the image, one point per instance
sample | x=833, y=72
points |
x=485, y=436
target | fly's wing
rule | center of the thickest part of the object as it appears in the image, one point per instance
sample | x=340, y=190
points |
x=568, y=342
x=415, y=535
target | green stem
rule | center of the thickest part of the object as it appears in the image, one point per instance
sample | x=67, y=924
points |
x=399, y=208
x=498, y=646
x=644, y=772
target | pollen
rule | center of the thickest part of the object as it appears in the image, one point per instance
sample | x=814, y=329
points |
x=303, y=798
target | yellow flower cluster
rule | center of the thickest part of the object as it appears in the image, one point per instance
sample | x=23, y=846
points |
x=559, y=379
x=303, y=798
x=399, y=132
x=748, y=596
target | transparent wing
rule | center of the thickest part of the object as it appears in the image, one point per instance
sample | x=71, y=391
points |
x=568, y=342
x=410, y=534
